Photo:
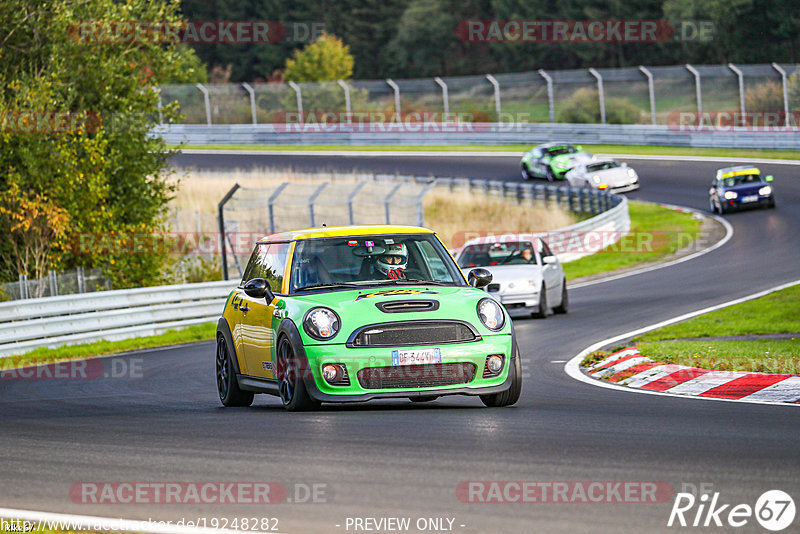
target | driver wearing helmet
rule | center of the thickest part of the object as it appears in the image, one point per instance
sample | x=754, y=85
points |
x=392, y=263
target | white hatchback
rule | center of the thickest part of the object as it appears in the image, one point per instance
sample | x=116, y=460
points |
x=527, y=277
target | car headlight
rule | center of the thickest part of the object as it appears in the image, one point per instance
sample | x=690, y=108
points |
x=631, y=173
x=764, y=191
x=730, y=195
x=596, y=179
x=491, y=314
x=321, y=323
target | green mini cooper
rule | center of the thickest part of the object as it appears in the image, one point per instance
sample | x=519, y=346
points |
x=355, y=313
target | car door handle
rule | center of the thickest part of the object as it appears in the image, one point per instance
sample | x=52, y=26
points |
x=244, y=309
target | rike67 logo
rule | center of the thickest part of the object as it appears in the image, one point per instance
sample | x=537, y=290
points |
x=774, y=510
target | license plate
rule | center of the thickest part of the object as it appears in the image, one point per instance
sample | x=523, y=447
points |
x=416, y=356
x=751, y=198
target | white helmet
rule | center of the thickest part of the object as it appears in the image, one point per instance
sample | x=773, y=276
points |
x=393, y=262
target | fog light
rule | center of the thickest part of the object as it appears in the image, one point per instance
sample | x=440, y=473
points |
x=330, y=372
x=493, y=366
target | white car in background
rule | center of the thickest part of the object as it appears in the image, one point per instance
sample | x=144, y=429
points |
x=605, y=174
x=527, y=278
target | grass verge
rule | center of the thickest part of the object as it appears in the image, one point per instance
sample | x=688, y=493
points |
x=655, y=233
x=191, y=334
x=776, y=313
x=600, y=149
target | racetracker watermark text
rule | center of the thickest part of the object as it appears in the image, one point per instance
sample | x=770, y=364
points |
x=563, y=492
x=583, y=31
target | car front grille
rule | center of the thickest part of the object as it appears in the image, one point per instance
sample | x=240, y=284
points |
x=413, y=333
x=416, y=376
x=493, y=288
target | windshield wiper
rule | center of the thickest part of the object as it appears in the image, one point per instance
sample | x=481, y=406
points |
x=324, y=286
x=415, y=281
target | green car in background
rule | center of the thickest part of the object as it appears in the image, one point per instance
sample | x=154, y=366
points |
x=354, y=313
x=552, y=161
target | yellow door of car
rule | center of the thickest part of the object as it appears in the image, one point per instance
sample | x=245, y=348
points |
x=268, y=262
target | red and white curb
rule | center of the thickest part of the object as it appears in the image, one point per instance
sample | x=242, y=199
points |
x=629, y=368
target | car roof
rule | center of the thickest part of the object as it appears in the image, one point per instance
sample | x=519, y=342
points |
x=507, y=238
x=739, y=170
x=343, y=231
x=554, y=145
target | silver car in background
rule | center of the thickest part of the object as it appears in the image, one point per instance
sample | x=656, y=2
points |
x=604, y=173
x=527, y=278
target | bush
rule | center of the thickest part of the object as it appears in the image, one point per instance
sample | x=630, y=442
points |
x=584, y=107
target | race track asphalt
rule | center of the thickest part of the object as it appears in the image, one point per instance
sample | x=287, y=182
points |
x=398, y=459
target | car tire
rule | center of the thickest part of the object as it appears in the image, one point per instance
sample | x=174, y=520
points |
x=227, y=385
x=511, y=395
x=427, y=398
x=771, y=205
x=526, y=174
x=564, y=306
x=291, y=387
x=541, y=313
x=551, y=176
x=712, y=206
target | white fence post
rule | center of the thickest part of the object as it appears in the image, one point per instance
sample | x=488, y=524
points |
x=600, y=95
x=396, y=90
x=252, y=101
x=785, y=92
x=445, y=98
x=498, y=109
x=652, y=91
x=299, y=94
x=740, y=75
x=348, y=110
x=698, y=93
x=206, y=101
x=550, y=103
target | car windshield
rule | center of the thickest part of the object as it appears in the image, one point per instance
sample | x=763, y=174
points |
x=559, y=150
x=489, y=254
x=740, y=180
x=602, y=166
x=371, y=260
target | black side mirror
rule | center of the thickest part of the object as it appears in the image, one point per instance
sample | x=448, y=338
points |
x=258, y=288
x=479, y=278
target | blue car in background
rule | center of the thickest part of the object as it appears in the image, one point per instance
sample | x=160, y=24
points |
x=740, y=187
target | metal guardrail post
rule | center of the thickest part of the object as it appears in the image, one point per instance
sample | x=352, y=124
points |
x=387, y=201
x=782, y=72
x=497, y=107
x=51, y=276
x=600, y=94
x=299, y=95
x=550, y=103
x=81, y=280
x=252, y=94
x=311, y=200
x=420, y=206
x=221, y=222
x=652, y=93
x=740, y=75
x=350, y=198
x=445, y=98
x=698, y=93
x=271, y=203
x=396, y=90
x=23, y=286
x=206, y=101
x=347, y=109
x=160, y=111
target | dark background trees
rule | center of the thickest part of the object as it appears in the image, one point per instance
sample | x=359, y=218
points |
x=413, y=38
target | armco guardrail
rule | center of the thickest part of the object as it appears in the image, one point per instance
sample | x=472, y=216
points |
x=479, y=133
x=107, y=315
x=113, y=315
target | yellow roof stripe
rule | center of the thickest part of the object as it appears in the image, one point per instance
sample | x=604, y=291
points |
x=742, y=172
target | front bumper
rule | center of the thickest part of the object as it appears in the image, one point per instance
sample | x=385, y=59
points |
x=623, y=188
x=737, y=204
x=360, y=358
